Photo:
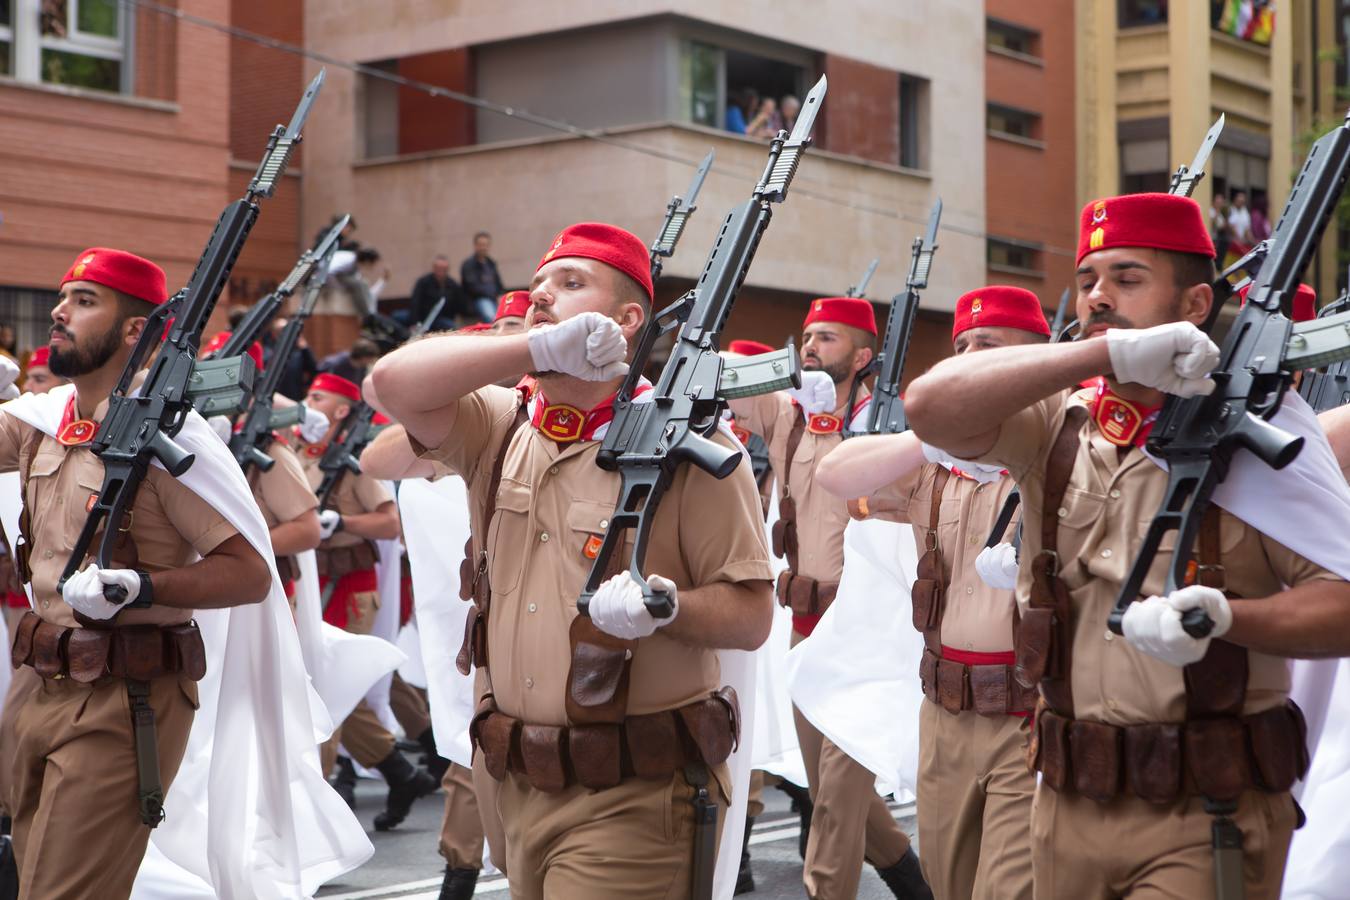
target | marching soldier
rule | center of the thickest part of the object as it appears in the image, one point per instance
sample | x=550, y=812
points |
x=1144, y=744
x=38, y=377
x=361, y=513
x=600, y=781
x=512, y=309
x=78, y=764
x=850, y=822
x=974, y=788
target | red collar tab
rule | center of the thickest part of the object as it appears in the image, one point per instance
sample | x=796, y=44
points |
x=1121, y=422
x=74, y=432
x=565, y=424
x=824, y=423
x=314, y=451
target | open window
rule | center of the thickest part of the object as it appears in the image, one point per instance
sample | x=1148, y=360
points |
x=83, y=44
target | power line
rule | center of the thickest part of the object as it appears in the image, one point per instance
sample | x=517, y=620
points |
x=558, y=125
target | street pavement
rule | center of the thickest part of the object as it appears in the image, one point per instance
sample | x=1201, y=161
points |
x=406, y=865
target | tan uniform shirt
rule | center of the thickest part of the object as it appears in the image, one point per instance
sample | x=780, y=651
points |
x=283, y=493
x=169, y=523
x=821, y=516
x=975, y=616
x=1107, y=508
x=553, y=500
x=354, y=494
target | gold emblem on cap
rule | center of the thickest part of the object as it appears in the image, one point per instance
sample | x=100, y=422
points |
x=79, y=267
x=1097, y=238
x=820, y=304
x=554, y=249
x=1099, y=212
x=975, y=307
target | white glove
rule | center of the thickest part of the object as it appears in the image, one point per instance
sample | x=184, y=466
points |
x=1176, y=358
x=84, y=591
x=222, y=427
x=330, y=523
x=981, y=472
x=9, y=373
x=1153, y=626
x=590, y=346
x=997, y=566
x=816, y=395
x=313, y=425
x=617, y=607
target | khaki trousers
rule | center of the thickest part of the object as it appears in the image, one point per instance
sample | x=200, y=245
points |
x=974, y=805
x=77, y=827
x=634, y=841
x=1132, y=848
x=850, y=822
x=485, y=791
x=369, y=742
x=461, y=843
x=409, y=706
x=23, y=683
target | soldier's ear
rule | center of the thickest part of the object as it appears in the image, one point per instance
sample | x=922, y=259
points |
x=131, y=330
x=1196, y=302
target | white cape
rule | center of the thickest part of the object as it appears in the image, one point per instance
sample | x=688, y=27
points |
x=249, y=815
x=856, y=678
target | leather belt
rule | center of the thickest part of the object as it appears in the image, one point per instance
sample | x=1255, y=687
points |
x=990, y=690
x=139, y=652
x=805, y=596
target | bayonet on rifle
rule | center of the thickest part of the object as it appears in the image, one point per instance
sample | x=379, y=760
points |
x=678, y=212
x=647, y=442
x=1197, y=437
x=860, y=289
x=1185, y=178
x=139, y=429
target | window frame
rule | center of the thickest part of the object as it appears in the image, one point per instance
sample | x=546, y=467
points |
x=7, y=34
x=993, y=24
x=27, y=42
x=1006, y=111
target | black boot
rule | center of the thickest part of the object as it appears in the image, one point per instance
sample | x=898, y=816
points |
x=406, y=784
x=905, y=878
x=435, y=763
x=803, y=807
x=745, y=879
x=458, y=884
x=344, y=782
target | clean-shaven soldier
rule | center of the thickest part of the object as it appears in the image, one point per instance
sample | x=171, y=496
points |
x=77, y=825
x=1132, y=734
x=974, y=789
x=849, y=822
x=604, y=730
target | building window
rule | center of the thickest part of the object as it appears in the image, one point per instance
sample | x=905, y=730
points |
x=1137, y=13
x=763, y=95
x=913, y=122
x=1008, y=120
x=700, y=80
x=379, y=111
x=6, y=36
x=1010, y=38
x=29, y=313
x=1014, y=257
x=79, y=43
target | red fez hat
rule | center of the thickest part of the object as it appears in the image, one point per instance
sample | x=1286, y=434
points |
x=121, y=271
x=1160, y=221
x=335, y=384
x=475, y=328
x=513, y=304
x=221, y=337
x=40, y=356
x=1000, y=306
x=608, y=244
x=1304, y=306
x=749, y=348
x=854, y=312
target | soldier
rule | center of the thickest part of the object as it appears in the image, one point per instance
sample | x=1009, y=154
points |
x=511, y=311
x=78, y=831
x=361, y=513
x=974, y=789
x=849, y=822
x=38, y=377
x=1143, y=742
x=600, y=781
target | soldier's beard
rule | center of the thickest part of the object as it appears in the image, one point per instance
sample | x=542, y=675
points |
x=72, y=360
x=839, y=372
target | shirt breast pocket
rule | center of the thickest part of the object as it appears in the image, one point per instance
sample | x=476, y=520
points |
x=508, y=536
x=90, y=485
x=587, y=524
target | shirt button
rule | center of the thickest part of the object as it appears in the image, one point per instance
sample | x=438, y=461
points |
x=1111, y=704
x=553, y=471
x=533, y=607
x=529, y=682
x=47, y=555
x=974, y=539
x=1115, y=494
x=1063, y=512
x=1110, y=635
x=1106, y=554
x=544, y=537
x=970, y=590
x=604, y=523
x=46, y=603
x=979, y=489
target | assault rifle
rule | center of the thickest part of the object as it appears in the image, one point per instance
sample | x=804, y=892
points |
x=1328, y=388
x=886, y=412
x=860, y=289
x=1057, y=326
x=249, y=444
x=344, y=451
x=647, y=442
x=139, y=428
x=1197, y=437
x=215, y=389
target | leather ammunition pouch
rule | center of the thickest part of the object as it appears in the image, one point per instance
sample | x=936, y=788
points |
x=139, y=652
x=990, y=690
x=335, y=562
x=602, y=755
x=805, y=596
x=1218, y=758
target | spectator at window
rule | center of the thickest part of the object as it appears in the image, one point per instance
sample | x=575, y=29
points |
x=353, y=363
x=741, y=105
x=789, y=106
x=298, y=369
x=767, y=122
x=1240, y=224
x=480, y=279
x=427, y=292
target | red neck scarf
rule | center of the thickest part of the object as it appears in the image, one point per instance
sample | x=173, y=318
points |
x=565, y=424
x=1121, y=422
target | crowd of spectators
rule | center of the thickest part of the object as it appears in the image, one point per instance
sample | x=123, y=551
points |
x=760, y=117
